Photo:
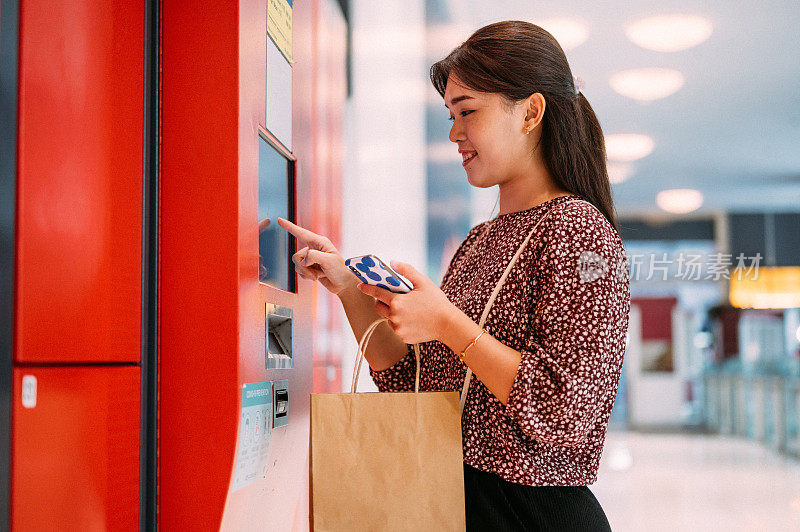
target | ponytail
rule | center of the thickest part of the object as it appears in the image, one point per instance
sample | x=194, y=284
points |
x=574, y=151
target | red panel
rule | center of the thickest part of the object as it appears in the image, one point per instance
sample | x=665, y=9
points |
x=212, y=323
x=80, y=180
x=199, y=262
x=729, y=324
x=656, y=317
x=75, y=455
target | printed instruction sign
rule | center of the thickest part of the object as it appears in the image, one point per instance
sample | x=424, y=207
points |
x=255, y=428
x=279, y=25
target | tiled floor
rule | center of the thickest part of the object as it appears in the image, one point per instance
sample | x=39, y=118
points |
x=671, y=482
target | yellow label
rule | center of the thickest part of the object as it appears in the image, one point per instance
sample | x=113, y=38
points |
x=279, y=25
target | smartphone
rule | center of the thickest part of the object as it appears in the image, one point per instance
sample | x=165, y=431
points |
x=371, y=270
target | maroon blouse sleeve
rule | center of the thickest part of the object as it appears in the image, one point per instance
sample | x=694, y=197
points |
x=400, y=377
x=397, y=378
x=576, y=318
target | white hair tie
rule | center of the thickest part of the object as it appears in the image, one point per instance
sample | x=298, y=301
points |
x=578, y=83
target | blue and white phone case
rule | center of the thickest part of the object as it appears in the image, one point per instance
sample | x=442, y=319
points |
x=372, y=270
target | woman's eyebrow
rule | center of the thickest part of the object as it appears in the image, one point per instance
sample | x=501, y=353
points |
x=458, y=99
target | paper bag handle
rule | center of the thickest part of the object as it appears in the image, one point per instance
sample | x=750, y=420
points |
x=362, y=348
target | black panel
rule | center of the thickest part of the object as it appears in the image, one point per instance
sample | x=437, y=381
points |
x=702, y=229
x=746, y=235
x=148, y=447
x=292, y=177
x=787, y=239
x=345, y=5
x=9, y=54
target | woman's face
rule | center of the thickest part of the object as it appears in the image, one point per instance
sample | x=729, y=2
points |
x=490, y=137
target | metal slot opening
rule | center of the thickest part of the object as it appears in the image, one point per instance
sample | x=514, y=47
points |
x=279, y=337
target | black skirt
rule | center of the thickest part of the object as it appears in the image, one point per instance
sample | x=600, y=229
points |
x=493, y=503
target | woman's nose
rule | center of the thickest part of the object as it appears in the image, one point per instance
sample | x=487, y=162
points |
x=456, y=133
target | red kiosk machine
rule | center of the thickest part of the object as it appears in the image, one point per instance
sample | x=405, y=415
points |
x=157, y=348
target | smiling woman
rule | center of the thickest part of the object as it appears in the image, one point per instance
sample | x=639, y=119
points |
x=516, y=308
x=545, y=343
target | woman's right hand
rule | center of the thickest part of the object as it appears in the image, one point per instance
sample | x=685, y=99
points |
x=319, y=259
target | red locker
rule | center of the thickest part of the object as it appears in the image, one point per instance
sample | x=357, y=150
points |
x=79, y=188
x=76, y=452
x=77, y=273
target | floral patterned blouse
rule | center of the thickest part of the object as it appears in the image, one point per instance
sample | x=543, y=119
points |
x=564, y=307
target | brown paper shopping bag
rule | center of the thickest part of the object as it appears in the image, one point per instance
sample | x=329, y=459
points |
x=386, y=461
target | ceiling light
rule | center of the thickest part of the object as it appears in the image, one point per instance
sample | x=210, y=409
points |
x=628, y=147
x=647, y=84
x=669, y=33
x=619, y=172
x=679, y=200
x=765, y=287
x=569, y=33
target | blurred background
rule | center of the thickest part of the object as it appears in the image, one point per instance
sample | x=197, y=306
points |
x=699, y=105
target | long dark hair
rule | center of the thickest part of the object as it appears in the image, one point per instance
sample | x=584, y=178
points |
x=516, y=59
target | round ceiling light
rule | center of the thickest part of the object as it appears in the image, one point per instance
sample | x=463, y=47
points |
x=568, y=32
x=669, y=33
x=679, y=200
x=619, y=172
x=626, y=147
x=647, y=84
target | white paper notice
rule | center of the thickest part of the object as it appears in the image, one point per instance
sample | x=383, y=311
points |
x=255, y=428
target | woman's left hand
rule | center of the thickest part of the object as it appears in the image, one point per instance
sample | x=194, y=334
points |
x=416, y=316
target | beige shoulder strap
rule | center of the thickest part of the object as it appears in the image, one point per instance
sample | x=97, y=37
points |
x=362, y=345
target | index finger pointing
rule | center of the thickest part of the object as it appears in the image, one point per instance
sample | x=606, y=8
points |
x=297, y=231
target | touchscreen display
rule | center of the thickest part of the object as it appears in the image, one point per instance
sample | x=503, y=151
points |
x=275, y=189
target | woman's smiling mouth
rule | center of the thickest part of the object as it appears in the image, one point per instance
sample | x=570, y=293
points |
x=468, y=156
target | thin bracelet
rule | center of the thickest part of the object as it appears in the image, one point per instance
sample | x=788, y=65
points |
x=464, y=352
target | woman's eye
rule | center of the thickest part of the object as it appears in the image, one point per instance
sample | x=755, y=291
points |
x=463, y=113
